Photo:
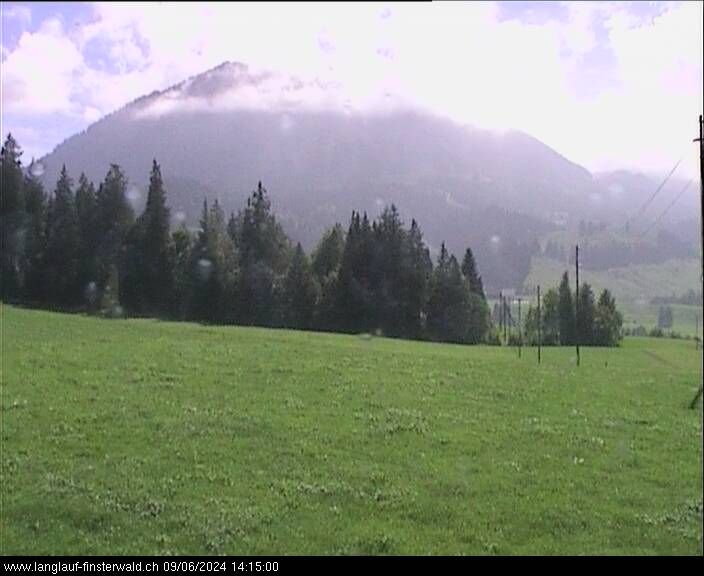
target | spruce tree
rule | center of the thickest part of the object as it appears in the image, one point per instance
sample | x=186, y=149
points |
x=453, y=314
x=157, y=271
x=35, y=239
x=87, y=213
x=12, y=218
x=586, y=312
x=469, y=269
x=416, y=273
x=263, y=255
x=213, y=268
x=62, y=245
x=607, y=321
x=550, y=311
x=300, y=292
x=181, y=242
x=348, y=305
x=327, y=256
x=566, y=312
x=115, y=218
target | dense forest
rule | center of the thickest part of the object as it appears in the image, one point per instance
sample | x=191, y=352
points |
x=85, y=249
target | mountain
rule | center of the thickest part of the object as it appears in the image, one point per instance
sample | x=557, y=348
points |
x=640, y=199
x=219, y=133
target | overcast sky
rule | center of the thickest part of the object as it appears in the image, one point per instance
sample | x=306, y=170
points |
x=609, y=85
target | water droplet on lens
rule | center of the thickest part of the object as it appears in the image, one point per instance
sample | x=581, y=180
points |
x=36, y=169
x=205, y=267
x=133, y=194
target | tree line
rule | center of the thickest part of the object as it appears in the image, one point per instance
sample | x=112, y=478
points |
x=565, y=319
x=602, y=255
x=83, y=248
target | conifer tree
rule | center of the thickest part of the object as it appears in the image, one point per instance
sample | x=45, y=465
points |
x=263, y=255
x=181, y=242
x=157, y=265
x=300, y=292
x=585, y=313
x=566, y=312
x=607, y=321
x=12, y=218
x=62, y=245
x=327, y=256
x=550, y=312
x=87, y=213
x=213, y=268
x=416, y=274
x=469, y=269
x=114, y=217
x=452, y=316
x=35, y=239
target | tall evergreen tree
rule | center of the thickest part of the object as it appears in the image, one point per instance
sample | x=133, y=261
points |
x=114, y=217
x=585, y=315
x=453, y=314
x=263, y=255
x=566, y=312
x=387, y=274
x=469, y=269
x=214, y=268
x=607, y=321
x=87, y=213
x=354, y=309
x=152, y=252
x=551, y=317
x=300, y=292
x=35, y=239
x=415, y=282
x=261, y=238
x=327, y=256
x=181, y=241
x=63, y=245
x=12, y=218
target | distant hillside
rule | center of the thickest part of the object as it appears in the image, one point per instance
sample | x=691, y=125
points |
x=627, y=192
x=322, y=154
x=219, y=133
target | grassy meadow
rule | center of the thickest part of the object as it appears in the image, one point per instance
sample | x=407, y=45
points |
x=148, y=437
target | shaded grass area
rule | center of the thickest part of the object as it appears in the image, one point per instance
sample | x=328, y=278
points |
x=145, y=437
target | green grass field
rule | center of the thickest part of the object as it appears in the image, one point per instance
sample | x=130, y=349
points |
x=147, y=437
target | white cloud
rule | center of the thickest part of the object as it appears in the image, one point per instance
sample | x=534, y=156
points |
x=37, y=76
x=456, y=59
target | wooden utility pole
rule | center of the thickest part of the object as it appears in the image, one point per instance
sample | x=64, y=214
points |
x=576, y=304
x=501, y=313
x=701, y=229
x=701, y=189
x=520, y=329
x=509, y=316
x=540, y=322
x=505, y=320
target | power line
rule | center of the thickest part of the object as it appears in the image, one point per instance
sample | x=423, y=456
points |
x=666, y=210
x=649, y=200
